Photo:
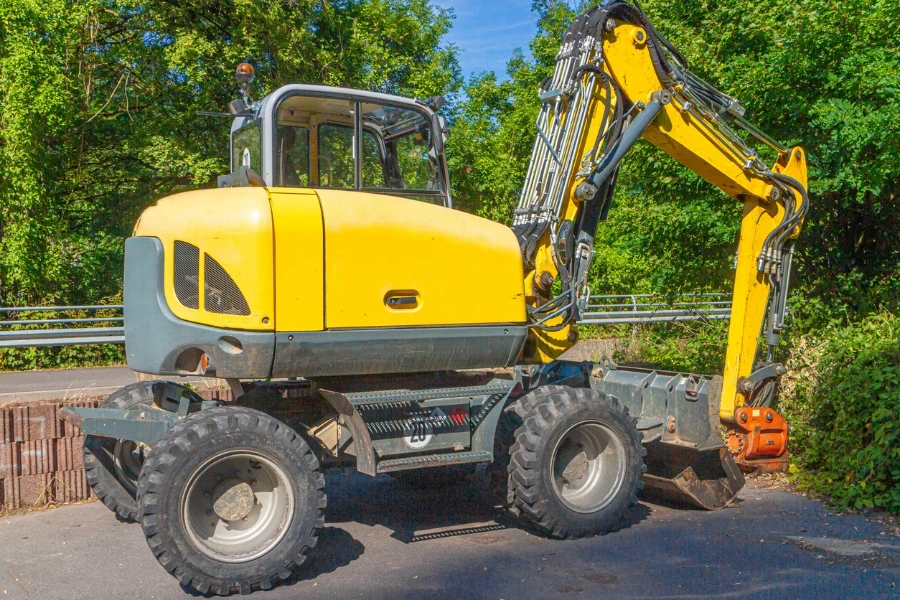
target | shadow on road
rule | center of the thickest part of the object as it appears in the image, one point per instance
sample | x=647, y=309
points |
x=335, y=549
x=420, y=514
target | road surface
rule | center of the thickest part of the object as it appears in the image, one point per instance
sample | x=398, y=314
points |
x=65, y=379
x=383, y=540
x=64, y=384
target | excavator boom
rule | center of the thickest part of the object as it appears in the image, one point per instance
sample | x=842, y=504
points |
x=617, y=80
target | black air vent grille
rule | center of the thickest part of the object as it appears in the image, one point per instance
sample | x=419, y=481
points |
x=187, y=274
x=222, y=295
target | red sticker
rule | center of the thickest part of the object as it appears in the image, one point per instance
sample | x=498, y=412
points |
x=458, y=414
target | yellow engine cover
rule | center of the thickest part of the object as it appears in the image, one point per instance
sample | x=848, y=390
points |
x=231, y=226
x=299, y=260
x=308, y=260
x=396, y=262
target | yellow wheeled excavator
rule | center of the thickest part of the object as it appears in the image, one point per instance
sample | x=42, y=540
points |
x=360, y=321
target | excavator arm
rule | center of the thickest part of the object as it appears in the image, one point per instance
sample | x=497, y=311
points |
x=617, y=80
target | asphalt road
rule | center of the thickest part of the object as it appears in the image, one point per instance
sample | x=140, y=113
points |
x=65, y=379
x=62, y=384
x=384, y=540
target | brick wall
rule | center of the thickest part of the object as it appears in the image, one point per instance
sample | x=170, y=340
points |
x=40, y=455
x=41, y=459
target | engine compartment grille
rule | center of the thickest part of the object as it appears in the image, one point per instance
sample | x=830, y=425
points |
x=221, y=294
x=187, y=274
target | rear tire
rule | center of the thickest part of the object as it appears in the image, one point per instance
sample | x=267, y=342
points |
x=576, y=465
x=231, y=500
x=113, y=466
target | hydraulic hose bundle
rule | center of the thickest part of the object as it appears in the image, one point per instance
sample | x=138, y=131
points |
x=580, y=78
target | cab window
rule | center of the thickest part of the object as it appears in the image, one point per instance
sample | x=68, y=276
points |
x=401, y=151
x=292, y=148
x=352, y=144
x=335, y=156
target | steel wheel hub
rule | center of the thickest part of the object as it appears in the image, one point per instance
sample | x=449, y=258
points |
x=588, y=467
x=237, y=506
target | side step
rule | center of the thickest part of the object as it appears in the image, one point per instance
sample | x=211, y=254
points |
x=454, y=425
x=433, y=460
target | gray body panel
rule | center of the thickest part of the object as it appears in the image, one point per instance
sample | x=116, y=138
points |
x=155, y=338
x=372, y=351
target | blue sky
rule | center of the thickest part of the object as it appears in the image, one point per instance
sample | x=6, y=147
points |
x=487, y=31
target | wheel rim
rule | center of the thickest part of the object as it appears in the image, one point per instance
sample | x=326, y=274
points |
x=128, y=458
x=237, y=506
x=588, y=467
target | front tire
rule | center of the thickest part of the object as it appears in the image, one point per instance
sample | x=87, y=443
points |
x=231, y=500
x=576, y=465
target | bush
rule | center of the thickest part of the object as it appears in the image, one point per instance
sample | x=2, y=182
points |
x=687, y=346
x=842, y=399
x=65, y=357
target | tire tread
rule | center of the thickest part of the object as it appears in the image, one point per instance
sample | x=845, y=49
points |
x=181, y=440
x=539, y=410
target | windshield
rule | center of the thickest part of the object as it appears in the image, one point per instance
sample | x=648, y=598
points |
x=320, y=142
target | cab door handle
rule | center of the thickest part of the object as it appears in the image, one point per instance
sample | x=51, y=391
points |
x=400, y=300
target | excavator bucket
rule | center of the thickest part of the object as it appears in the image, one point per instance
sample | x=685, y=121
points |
x=687, y=459
x=708, y=479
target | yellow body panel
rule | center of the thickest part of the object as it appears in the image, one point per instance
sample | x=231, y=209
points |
x=751, y=288
x=299, y=260
x=675, y=132
x=461, y=269
x=233, y=226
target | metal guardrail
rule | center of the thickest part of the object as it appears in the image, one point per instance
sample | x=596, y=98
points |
x=601, y=310
x=645, y=308
x=39, y=332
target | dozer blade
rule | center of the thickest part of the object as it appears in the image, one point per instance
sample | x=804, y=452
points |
x=707, y=478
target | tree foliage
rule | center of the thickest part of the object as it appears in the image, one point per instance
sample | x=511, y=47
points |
x=814, y=73
x=98, y=102
x=842, y=398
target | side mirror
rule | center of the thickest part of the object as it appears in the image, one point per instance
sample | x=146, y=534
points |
x=236, y=107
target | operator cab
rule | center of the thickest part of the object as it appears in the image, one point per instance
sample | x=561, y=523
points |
x=335, y=138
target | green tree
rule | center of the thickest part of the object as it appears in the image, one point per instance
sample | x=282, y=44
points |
x=811, y=73
x=98, y=101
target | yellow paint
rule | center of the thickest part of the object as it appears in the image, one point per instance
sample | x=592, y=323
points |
x=751, y=288
x=232, y=225
x=674, y=132
x=544, y=346
x=690, y=142
x=465, y=270
x=299, y=260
